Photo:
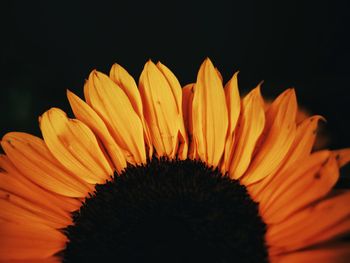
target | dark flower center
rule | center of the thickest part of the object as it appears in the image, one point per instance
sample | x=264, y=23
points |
x=167, y=211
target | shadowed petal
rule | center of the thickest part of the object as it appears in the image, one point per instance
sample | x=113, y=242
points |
x=337, y=253
x=317, y=223
x=306, y=187
x=23, y=242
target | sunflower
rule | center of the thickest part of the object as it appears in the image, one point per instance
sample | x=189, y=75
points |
x=160, y=173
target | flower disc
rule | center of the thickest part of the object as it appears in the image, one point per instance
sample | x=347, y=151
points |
x=168, y=211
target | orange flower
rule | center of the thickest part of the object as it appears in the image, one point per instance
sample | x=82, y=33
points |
x=157, y=171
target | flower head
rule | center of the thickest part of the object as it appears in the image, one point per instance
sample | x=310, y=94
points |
x=160, y=173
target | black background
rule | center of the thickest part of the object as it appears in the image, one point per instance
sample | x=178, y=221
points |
x=50, y=46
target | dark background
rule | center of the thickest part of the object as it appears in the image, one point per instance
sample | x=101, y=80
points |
x=49, y=46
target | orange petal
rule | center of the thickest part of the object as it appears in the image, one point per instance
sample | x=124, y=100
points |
x=177, y=93
x=114, y=107
x=272, y=109
x=127, y=83
x=187, y=100
x=233, y=102
x=161, y=110
x=310, y=226
x=87, y=115
x=281, y=182
x=249, y=129
x=12, y=181
x=338, y=253
x=300, y=149
x=37, y=260
x=342, y=156
x=210, y=116
x=32, y=158
x=303, y=142
x=21, y=211
x=75, y=146
x=280, y=134
x=24, y=242
x=306, y=188
x=219, y=74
